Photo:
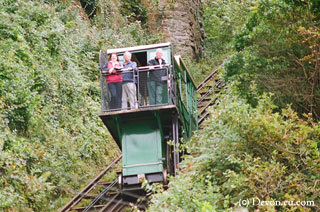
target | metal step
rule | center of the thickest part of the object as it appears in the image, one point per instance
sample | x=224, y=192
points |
x=202, y=118
x=96, y=207
x=207, y=88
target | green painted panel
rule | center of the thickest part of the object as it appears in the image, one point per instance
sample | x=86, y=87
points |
x=141, y=147
x=142, y=169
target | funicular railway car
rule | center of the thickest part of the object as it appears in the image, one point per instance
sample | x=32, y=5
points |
x=148, y=132
x=144, y=131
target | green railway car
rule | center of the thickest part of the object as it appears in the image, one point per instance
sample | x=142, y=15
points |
x=143, y=132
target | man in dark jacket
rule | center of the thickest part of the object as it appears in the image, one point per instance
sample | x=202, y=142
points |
x=155, y=79
x=129, y=82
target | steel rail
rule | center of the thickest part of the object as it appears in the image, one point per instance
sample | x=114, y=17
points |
x=75, y=200
x=100, y=195
x=207, y=79
x=109, y=203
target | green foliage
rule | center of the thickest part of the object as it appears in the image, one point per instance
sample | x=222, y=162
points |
x=247, y=152
x=275, y=49
x=134, y=11
x=201, y=69
x=132, y=34
x=251, y=148
x=221, y=19
x=52, y=141
x=271, y=42
x=119, y=30
x=90, y=6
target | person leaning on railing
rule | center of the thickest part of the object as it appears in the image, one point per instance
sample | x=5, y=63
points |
x=129, y=82
x=114, y=81
x=155, y=83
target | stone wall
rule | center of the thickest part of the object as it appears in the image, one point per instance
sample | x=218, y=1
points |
x=180, y=23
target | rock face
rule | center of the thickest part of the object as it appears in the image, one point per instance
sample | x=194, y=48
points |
x=180, y=23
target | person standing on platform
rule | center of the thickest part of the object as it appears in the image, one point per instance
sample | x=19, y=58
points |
x=129, y=82
x=155, y=83
x=114, y=81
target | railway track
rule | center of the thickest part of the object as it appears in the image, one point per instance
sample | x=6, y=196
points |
x=103, y=196
x=206, y=89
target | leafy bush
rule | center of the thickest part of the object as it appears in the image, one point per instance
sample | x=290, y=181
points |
x=52, y=141
x=277, y=47
x=134, y=11
x=247, y=152
x=221, y=21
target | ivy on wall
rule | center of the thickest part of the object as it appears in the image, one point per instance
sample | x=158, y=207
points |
x=134, y=11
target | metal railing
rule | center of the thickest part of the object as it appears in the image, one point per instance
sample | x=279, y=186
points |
x=152, y=86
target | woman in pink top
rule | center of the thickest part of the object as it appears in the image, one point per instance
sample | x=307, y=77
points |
x=114, y=81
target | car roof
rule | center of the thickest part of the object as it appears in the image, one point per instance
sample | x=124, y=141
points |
x=137, y=48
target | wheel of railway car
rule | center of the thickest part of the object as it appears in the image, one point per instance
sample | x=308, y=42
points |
x=165, y=176
x=120, y=181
